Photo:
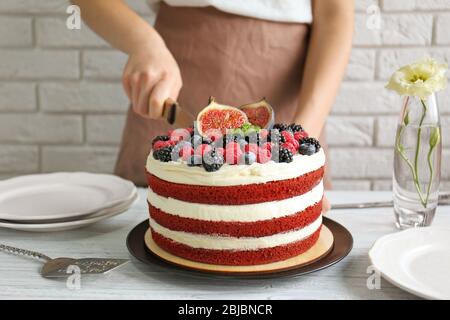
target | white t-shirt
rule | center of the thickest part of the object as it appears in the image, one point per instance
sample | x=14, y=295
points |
x=274, y=10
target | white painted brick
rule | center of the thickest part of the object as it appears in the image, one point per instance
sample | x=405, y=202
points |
x=361, y=163
x=443, y=29
x=432, y=4
x=350, y=131
x=399, y=5
x=365, y=98
x=389, y=60
x=362, y=5
x=17, y=96
x=382, y=185
x=29, y=128
x=396, y=29
x=92, y=159
x=352, y=185
x=83, y=97
x=105, y=129
x=386, y=129
x=100, y=64
x=52, y=32
x=445, y=127
x=15, y=32
x=18, y=159
x=33, y=6
x=445, y=169
x=361, y=65
x=445, y=186
x=39, y=64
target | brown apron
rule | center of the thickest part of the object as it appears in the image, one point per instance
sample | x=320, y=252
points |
x=233, y=58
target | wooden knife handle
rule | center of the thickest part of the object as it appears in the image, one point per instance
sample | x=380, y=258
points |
x=170, y=111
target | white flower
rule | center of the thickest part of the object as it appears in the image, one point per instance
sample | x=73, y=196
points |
x=419, y=79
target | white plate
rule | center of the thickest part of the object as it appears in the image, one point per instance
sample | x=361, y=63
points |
x=62, y=226
x=416, y=260
x=61, y=195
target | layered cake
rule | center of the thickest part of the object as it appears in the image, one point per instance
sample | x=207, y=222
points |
x=235, y=193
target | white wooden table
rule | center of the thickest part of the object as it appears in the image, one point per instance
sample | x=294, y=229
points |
x=19, y=277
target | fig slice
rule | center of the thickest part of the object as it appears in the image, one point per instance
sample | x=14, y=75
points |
x=221, y=117
x=259, y=113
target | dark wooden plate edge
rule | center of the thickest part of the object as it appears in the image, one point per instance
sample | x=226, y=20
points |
x=343, y=244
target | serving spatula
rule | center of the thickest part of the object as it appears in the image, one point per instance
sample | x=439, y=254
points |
x=58, y=267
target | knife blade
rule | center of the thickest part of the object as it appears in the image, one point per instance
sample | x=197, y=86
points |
x=177, y=116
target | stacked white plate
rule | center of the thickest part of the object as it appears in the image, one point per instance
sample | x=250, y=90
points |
x=62, y=201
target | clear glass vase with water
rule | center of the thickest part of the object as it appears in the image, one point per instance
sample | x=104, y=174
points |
x=417, y=162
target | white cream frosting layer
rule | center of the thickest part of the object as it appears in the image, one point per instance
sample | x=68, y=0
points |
x=228, y=175
x=237, y=213
x=232, y=243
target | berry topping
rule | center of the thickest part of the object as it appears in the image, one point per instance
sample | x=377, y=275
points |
x=287, y=136
x=163, y=154
x=300, y=135
x=180, y=135
x=280, y=126
x=212, y=161
x=290, y=146
x=202, y=149
x=285, y=155
x=233, y=153
x=162, y=144
x=160, y=138
x=194, y=161
x=251, y=147
x=248, y=158
x=307, y=149
x=263, y=155
x=295, y=127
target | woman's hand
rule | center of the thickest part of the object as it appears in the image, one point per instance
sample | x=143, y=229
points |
x=150, y=77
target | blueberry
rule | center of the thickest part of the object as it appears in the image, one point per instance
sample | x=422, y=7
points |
x=307, y=149
x=249, y=157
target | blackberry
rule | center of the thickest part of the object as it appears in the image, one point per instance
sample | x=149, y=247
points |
x=286, y=155
x=194, y=161
x=212, y=161
x=207, y=141
x=160, y=138
x=312, y=141
x=281, y=126
x=295, y=127
x=163, y=154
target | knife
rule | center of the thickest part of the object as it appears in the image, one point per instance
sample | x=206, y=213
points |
x=444, y=199
x=177, y=116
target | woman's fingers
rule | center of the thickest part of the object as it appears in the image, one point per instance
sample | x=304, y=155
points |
x=160, y=93
x=147, y=82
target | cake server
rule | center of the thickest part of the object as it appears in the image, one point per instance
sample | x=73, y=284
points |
x=59, y=267
x=444, y=200
x=177, y=116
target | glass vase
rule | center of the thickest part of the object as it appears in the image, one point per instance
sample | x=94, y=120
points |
x=417, y=162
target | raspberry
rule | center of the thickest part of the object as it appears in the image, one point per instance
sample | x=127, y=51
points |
x=267, y=146
x=287, y=135
x=159, y=138
x=162, y=144
x=251, y=147
x=201, y=149
x=233, y=153
x=180, y=135
x=186, y=152
x=263, y=155
x=300, y=135
x=290, y=147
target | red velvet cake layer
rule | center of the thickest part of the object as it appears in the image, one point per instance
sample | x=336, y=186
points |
x=239, y=194
x=236, y=258
x=237, y=229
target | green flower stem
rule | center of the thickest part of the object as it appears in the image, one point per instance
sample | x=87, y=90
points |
x=419, y=135
x=430, y=167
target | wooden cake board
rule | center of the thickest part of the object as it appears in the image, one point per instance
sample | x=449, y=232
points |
x=320, y=249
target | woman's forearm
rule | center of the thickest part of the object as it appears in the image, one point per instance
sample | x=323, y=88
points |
x=118, y=24
x=328, y=52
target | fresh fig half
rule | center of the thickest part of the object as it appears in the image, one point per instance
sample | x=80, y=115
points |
x=260, y=114
x=221, y=117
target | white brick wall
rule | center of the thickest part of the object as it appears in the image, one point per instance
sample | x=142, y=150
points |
x=62, y=106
